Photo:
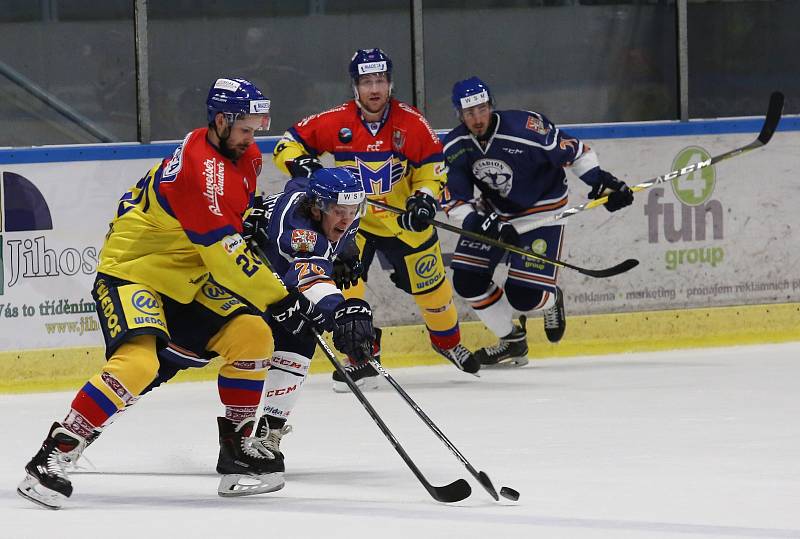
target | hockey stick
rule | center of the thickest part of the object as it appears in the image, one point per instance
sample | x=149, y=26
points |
x=622, y=267
x=454, y=492
x=771, y=121
x=481, y=476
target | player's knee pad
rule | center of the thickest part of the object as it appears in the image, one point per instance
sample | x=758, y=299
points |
x=246, y=337
x=286, y=375
x=525, y=298
x=437, y=299
x=134, y=365
x=129, y=371
x=470, y=284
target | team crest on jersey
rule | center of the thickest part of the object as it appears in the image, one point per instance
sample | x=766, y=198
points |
x=495, y=174
x=379, y=177
x=535, y=123
x=398, y=139
x=303, y=241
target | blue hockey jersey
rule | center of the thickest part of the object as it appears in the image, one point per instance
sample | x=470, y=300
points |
x=298, y=250
x=519, y=171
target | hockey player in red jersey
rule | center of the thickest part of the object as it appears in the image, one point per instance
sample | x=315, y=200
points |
x=178, y=225
x=390, y=147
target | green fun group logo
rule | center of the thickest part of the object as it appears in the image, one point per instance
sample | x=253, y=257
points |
x=694, y=217
x=696, y=187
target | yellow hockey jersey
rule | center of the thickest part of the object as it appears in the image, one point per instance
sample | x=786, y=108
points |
x=183, y=221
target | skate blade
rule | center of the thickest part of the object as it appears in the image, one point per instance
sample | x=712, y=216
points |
x=233, y=485
x=506, y=363
x=370, y=383
x=49, y=499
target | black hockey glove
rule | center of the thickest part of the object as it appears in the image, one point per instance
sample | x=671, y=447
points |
x=347, y=267
x=620, y=195
x=492, y=227
x=303, y=166
x=296, y=314
x=354, y=334
x=346, y=272
x=420, y=210
x=255, y=226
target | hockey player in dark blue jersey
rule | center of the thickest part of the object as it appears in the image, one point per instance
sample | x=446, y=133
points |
x=305, y=232
x=516, y=160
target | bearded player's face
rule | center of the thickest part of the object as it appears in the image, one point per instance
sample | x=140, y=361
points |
x=373, y=92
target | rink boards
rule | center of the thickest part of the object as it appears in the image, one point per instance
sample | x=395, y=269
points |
x=717, y=262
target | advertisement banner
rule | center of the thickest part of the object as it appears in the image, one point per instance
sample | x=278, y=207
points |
x=722, y=236
x=53, y=218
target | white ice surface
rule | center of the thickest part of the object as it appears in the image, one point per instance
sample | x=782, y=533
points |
x=700, y=443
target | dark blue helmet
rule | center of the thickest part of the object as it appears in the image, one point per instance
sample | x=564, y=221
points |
x=470, y=92
x=366, y=61
x=330, y=186
x=236, y=98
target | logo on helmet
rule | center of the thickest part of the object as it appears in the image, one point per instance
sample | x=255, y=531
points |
x=259, y=106
x=227, y=84
x=473, y=100
x=349, y=199
x=372, y=67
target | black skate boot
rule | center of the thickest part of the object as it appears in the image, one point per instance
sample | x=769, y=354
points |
x=461, y=357
x=555, y=320
x=363, y=374
x=246, y=464
x=47, y=483
x=512, y=350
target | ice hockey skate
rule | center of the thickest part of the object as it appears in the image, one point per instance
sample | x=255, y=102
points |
x=273, y=441
x=461, y=357
x=47, y=482
x=247, y=465
x=510, y=351
x=363, y=374
x=555, y=320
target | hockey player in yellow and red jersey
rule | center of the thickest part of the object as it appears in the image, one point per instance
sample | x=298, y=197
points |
x=178, y=225
x=389, y=145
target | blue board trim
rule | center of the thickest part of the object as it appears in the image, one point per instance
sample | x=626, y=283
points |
x=160, y=150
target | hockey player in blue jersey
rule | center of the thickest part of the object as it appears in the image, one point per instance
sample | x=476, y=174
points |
x=303, y=231
x=516, y=160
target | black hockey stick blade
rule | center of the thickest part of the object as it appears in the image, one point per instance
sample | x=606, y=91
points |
x=774, y=112
x=622, y=267
x=487, y=484
x=454, y=492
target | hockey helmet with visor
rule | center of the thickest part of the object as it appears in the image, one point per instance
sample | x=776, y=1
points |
x=238, y=99
x=337, y=192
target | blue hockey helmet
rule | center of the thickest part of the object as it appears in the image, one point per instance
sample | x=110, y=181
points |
x=336, y=186
x=366, y=61
x=471, y=92
x=236, y=98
